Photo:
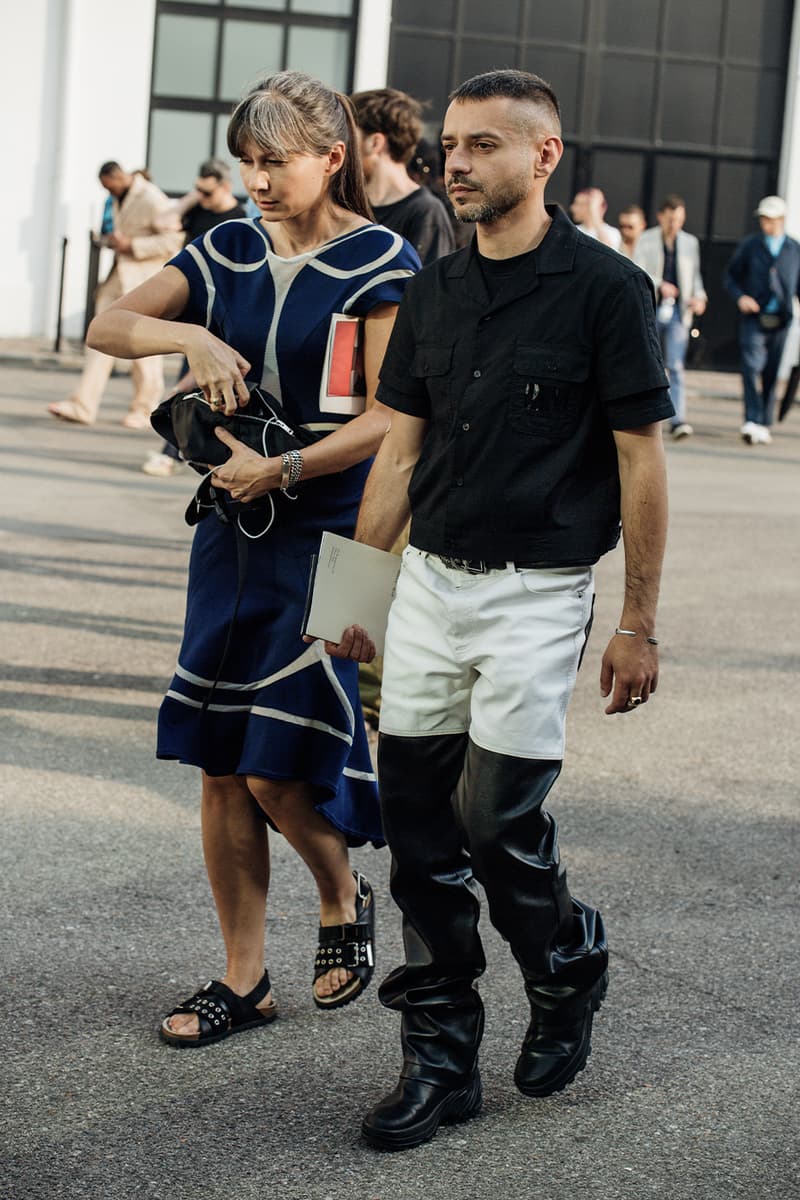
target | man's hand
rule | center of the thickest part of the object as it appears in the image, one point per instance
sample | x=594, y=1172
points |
x=630, y=667
x=355, y=643
x=120, y=242
x=697, y=305
x=746, y=304
x=669, y=290
x=246, y=475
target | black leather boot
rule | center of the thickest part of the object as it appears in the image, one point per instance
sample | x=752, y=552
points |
x=559, y=1037
x=433, y=886
x=559, y=943
x=413, y=1112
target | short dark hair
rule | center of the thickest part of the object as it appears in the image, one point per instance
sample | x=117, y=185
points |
x=517, y=85
x=393, y=113
x=109, y=168
x=673, y=201
x=214, y=168
x=631, y=210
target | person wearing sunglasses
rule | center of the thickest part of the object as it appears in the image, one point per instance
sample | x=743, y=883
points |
x=632, y=224
x=211, y=201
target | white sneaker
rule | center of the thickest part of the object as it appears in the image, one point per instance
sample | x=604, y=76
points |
x=160, y=465
x=682, y=430
x=763, y=435
x=749, y=432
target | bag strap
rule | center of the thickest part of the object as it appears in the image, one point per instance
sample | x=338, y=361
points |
x=242, y=551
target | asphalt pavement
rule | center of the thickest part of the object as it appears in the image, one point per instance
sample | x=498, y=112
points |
x=679, y=821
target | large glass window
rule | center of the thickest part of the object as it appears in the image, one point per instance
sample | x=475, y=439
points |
x=207, y=52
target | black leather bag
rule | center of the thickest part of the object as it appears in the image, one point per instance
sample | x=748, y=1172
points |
x=187, y=422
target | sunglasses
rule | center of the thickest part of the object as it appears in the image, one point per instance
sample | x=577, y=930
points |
x=206, y=191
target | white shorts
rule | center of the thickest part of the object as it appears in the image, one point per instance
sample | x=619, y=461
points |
x=492, y=655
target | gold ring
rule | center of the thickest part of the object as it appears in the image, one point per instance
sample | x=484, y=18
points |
x=633, y=702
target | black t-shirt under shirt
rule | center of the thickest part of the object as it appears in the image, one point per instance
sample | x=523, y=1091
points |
x=496, y=271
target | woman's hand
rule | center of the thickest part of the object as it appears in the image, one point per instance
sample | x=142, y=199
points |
x=245, y=475
x=219, y=371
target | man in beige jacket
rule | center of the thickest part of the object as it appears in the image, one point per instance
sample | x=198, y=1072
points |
x=146, y=235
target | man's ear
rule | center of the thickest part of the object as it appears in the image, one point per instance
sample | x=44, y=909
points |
x=548, y=156
x=374, y=143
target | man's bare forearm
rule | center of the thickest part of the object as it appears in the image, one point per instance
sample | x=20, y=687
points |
x=385, y=508
x=644, y=526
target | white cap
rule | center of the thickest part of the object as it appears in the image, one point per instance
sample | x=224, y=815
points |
x=771, y=206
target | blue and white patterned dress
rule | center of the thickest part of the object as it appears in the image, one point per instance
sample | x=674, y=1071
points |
x=283, y=709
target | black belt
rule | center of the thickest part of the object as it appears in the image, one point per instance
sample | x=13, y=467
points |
x=481, y=566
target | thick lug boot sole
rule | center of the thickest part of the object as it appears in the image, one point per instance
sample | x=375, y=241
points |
x=456, y=1107
x=574, y=1065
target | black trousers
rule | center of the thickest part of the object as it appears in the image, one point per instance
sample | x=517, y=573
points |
x=454, y=813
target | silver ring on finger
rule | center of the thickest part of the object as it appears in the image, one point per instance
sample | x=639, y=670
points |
x=634, y=701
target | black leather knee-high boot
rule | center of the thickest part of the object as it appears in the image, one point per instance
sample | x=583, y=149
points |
x=559, y=943
x=432, y=884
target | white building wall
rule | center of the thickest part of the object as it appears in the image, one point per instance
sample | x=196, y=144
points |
x=372, y=45
x=789, y=174
x=76, y=82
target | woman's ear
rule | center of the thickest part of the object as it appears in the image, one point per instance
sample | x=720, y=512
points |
x=336, y=157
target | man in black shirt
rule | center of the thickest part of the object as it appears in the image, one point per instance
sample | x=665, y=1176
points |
x=210, y=202
x=391, y=125
x=527, y=390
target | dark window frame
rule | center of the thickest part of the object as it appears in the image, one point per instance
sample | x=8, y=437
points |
x=283, y=19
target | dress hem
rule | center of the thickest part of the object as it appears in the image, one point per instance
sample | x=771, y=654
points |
x=350, y=834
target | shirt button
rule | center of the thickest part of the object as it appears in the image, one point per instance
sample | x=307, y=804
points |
x=459, y=482
x=465, y=426
x=476, y=374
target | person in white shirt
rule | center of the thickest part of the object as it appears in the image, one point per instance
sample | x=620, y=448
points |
x=588, y=210
x=632, y=224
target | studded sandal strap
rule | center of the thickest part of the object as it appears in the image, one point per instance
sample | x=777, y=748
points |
x=212, y=1011
x=218, y=1007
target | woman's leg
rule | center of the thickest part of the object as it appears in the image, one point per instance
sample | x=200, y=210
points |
x=290, y=805
x=236, y=849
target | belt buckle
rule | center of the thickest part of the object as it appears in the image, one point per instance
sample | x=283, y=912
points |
x=472, y=566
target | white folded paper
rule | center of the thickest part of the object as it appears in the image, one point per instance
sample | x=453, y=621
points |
x=351, y=584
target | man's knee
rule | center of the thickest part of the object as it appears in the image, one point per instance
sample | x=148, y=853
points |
x=499, y=801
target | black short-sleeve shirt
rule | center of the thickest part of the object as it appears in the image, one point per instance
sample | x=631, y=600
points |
x=522, y=392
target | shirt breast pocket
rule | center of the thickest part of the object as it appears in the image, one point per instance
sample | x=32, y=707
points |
x=548, y=391
x=432, y=363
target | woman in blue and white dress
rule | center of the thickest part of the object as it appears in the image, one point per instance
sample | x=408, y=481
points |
x=281, y=738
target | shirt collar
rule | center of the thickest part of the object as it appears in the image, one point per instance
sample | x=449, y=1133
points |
x=554, y=254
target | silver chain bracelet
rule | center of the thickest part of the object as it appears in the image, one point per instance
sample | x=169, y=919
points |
x=291, y=468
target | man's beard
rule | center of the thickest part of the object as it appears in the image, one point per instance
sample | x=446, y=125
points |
x=492, y=205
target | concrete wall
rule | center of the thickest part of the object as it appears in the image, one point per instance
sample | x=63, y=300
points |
x=76, y=74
